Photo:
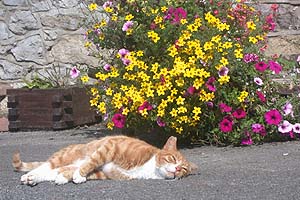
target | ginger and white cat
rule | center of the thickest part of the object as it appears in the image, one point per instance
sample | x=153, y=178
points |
x=112, y=157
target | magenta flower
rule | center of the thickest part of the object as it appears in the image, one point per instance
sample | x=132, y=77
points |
x=226, y=125
x=145, y=105
x=210, y=104
x=107, y=67
x=74, y=73
x=288, y=109
x=247, y=141
x=273, y=117
x=191, y=90
x=160, y=122
x=224, y=107
x=119, y=120
x=239, y=113
x=296, y=128
x=210, y=84
x=175, y=15
x=261, y=66
x=275, y=67
x=127, y=25
x=285, y=127
x=261, y=96
x=258, y=81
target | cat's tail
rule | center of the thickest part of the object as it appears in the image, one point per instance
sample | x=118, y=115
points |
x=23, y=166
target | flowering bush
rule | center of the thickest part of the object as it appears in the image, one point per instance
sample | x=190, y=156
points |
x=194, y=68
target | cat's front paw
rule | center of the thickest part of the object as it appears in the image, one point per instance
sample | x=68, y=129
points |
x=60, y=179
x=77, y=178
x=29, y=179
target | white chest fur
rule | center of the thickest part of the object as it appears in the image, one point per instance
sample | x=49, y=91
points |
x=146, y=171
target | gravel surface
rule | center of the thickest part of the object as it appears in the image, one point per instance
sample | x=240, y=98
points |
x=268, y=171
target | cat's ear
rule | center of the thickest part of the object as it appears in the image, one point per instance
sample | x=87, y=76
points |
x=171, y=144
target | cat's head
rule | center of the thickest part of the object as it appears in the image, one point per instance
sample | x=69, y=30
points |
x=171, y=163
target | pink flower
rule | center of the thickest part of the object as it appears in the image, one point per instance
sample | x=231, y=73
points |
x=126, y=61
x=119, y=120
x=127, y=25
x=107, y=4
x=250, y=57
x=285, y=127
x=191, y=90
x=288, y=109
x=74, y=73
x=258, y=81
x=259, y=128
x=275, y=67
x=107, y=67
x=239, y=113
x=160, y=122
x=261, y=66
x=210, y=84
x=123, y=52
x=223, y=71
x=261, y=96
x=226, y=125
x=296, y=128
x=224, y=107
x=273, y=117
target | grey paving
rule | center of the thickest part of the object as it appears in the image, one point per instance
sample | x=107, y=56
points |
x=268, y=171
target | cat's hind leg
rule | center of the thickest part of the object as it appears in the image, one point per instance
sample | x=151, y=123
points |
x=65, y=174
x=39, y=174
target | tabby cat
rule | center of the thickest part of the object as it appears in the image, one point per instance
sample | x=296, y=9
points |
x=111, y=157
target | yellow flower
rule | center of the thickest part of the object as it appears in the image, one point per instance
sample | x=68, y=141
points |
x=224, y=79
x=153, y=36
x=110, y=125
x=182, y=109
x=87, y=44
x=183, y=21
x=197, y=110
x=109, y=9
x=129, y=17
x=251, y=25
x=243, y=96
x=173, y=113
x=180, y=100
x=93, y=6
x=109, y=91
x=253, y=40
x=163, y=8
x=101, y=107
x=84, y=79
x=114, y=18
x=238, y=53
x=224, y=61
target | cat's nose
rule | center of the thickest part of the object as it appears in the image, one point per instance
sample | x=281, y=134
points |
x=178, y=168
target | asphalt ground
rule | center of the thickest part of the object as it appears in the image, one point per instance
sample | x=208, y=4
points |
x=268, y=171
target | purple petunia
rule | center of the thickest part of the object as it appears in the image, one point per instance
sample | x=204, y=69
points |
x=275, y=67
x=223, y=71
x=226, y=125
x=210, y=84
x=160, y=122
x=119, y=120
x=261, y=66
x=273, y=117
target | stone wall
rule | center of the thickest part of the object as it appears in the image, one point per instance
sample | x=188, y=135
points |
x=35, y=34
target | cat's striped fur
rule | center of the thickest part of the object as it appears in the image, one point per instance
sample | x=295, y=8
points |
x=112, y=157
